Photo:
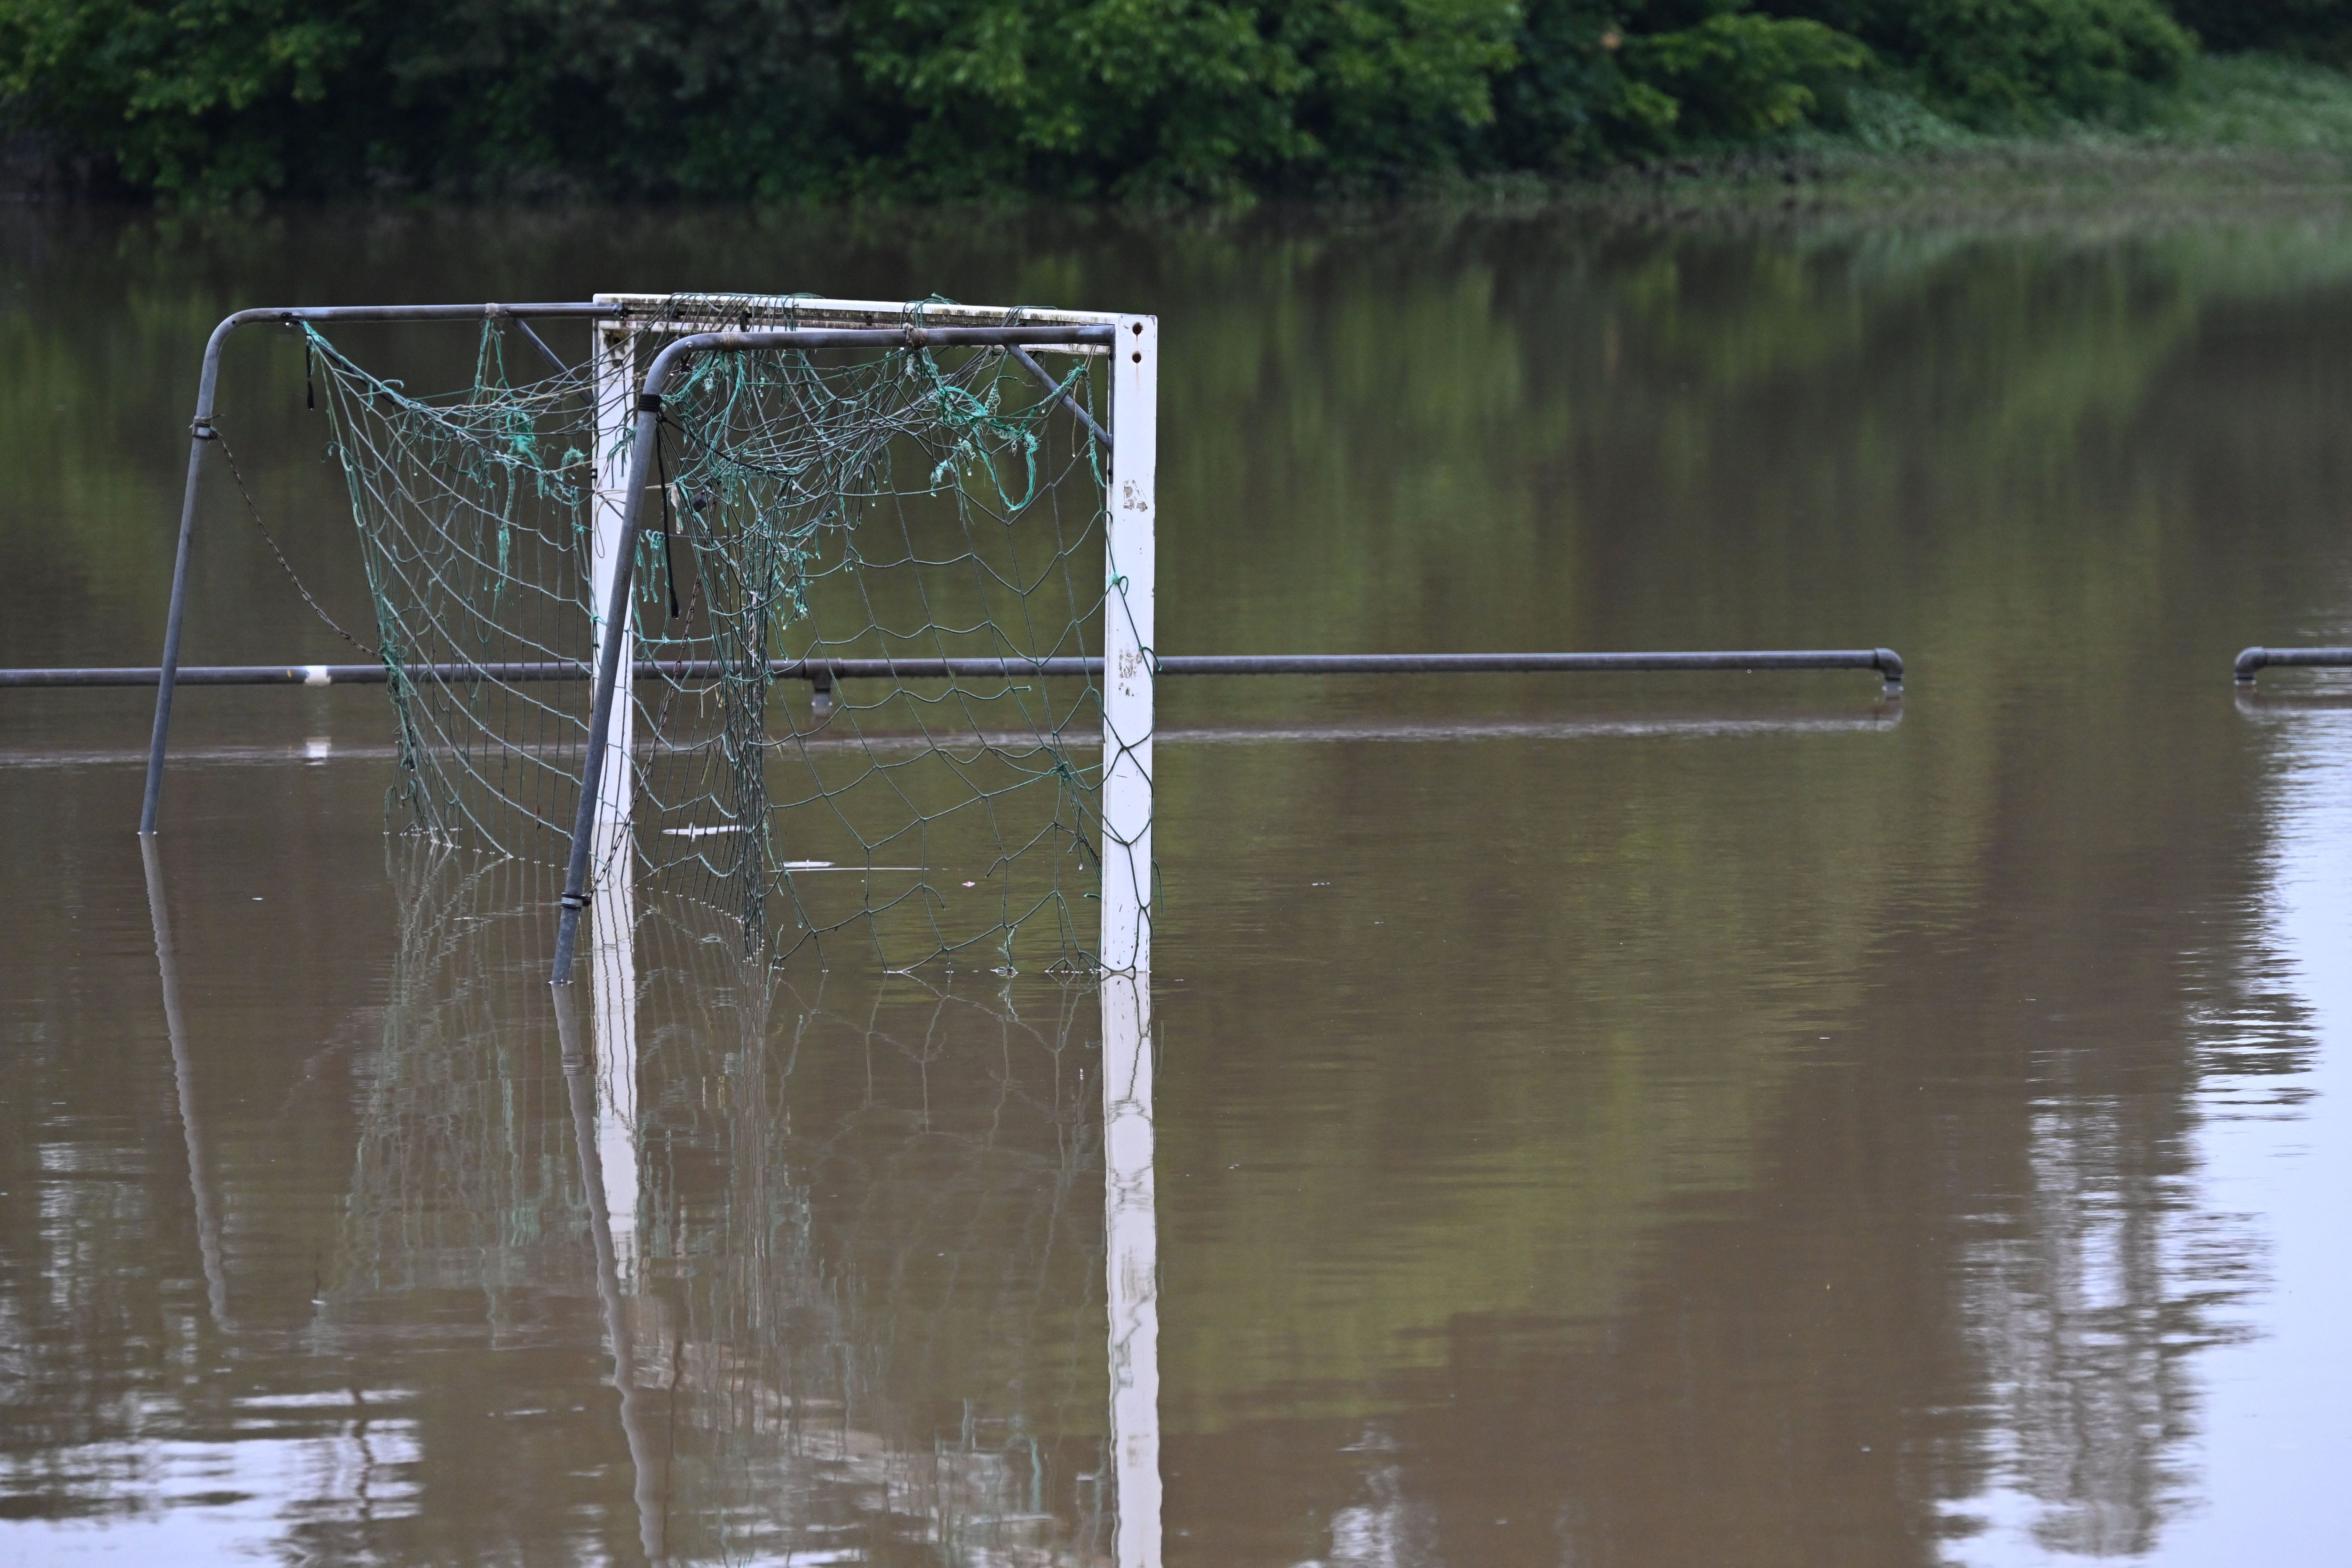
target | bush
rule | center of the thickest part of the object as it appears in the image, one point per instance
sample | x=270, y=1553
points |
x=203, y=99
x=1741, y=76
x=2015, y=62
x=209, y=97
x=1188, y=96
x=1589, y=88
x=2019, y=61
x=186, y=95
x=2292, y=27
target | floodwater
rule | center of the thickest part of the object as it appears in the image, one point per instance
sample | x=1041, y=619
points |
x=1632, y=1120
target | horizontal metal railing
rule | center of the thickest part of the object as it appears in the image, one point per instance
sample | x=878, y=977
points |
x=2256, y=658
x=825, y=671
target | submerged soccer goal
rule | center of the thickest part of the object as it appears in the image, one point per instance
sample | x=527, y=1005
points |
x=834, y=615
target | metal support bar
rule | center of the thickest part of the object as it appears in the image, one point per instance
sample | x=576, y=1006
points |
x=1044, y=378
x=540, y=344
x=2256, y=659
x=200, y=434
x=824, y=672
x=1402, y=729
x=641, y=456
x=1131, y=1270
x=1885, y=660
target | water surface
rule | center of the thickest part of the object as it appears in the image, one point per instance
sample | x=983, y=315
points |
x=1643, y=1120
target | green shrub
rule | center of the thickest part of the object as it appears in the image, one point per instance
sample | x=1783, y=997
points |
x=1170, y=95
x=2019, y=61
x=208, y=97
x=2293, y=26
x=204, y=99
x=2015, y=62
x=1593, y=84
x=1740, y=77
x=184, y=95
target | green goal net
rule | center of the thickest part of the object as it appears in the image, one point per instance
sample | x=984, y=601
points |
x=835, y=542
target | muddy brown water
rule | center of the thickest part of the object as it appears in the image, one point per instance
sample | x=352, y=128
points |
x=1657, y=1120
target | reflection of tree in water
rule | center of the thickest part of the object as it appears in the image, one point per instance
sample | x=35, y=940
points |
x=2088, y=1311
x=863, y=1307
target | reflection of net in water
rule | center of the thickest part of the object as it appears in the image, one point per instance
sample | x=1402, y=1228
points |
x=914, y=503
x=861, y=1301
x=877, y=1263
x=464, y=1181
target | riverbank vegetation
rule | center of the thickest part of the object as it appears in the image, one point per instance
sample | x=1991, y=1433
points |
x=202, y=101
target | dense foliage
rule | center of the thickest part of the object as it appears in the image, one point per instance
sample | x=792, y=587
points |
x=200, y=99
x=2318, y=28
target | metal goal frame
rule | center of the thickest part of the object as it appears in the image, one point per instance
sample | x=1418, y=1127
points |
x=621, y=324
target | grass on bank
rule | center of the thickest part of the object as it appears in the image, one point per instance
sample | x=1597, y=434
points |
x=2237, y=126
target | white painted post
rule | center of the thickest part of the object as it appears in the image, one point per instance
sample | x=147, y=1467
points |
x=1129, y=648
x=1131, y=1247
x=612, y=942
x=615, y=373
x=613, y=998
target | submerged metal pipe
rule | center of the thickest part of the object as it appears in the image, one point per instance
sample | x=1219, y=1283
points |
x=2256, y=659
x=824, y=672
x=1885, y=660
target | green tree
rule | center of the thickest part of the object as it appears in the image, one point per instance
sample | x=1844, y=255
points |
x=205, y=98
x=2006, y=63
x=1191, y=96
x=1601, y=79
x=184, y=95
x=1738, y=75
x=2297, y=26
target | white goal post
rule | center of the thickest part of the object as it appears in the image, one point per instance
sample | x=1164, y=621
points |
x=638, y=347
